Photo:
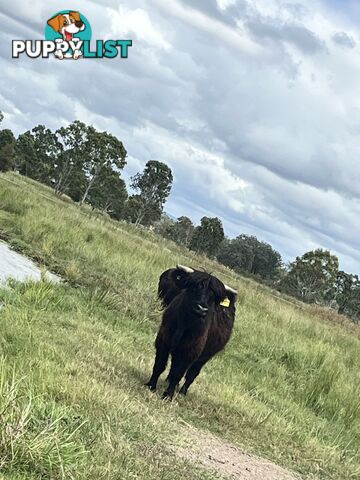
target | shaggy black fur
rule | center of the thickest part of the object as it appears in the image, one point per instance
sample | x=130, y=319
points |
x=194, y=326
x=169, y=285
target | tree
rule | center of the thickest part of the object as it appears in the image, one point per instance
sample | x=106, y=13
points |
x=236, y=254
x=165, y=226
x=25, y=153
x=312, y=277
x=183, y=231
x=208, y=236
x=38, y=151
x=154, y=186
x=69, y=174
x=246, y=253
x=76, y=183
x=134, y=206
x=103, y=151
x=266, y=262
x=7, y=150
x=109, y=193
x=347, y=293
x=353, y=305
x=1, y=116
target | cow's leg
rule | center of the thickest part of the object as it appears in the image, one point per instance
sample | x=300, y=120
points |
x=174, y=343
x=192, y=373
x=179, y=365
x=161, y=358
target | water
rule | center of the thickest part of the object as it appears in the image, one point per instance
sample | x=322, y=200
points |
x=14, y=265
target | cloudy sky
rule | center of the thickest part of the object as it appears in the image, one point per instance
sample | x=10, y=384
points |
x=255, y=105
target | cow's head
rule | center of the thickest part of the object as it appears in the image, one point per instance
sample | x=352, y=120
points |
x=203, y=290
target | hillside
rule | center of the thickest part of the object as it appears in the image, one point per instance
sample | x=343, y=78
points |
x=74, y=358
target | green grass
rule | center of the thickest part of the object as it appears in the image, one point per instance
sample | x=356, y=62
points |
x=74, y=358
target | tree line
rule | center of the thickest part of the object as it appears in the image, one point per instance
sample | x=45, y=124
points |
x=85, y=164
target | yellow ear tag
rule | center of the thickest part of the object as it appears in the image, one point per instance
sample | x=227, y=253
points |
x=225, y=303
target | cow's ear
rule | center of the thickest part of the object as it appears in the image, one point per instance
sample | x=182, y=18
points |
x=180, y=277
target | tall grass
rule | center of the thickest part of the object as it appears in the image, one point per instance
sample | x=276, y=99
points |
x=287, y=386
x=36, y=436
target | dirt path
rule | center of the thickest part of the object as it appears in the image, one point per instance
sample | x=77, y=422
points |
x=226, y=459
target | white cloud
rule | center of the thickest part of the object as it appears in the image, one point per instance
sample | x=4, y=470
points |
x=224, y=4
x=234, y=37
x=125, y=22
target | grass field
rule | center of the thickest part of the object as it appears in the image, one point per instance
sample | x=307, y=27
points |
x=74, y=358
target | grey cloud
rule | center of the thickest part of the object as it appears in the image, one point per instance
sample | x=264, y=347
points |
x=298, y=35
x=32, y=25
x=262, y=120
x=323, y=215
x=211, y=8
x=297, y=10
x=303, y=38
x=344, y=40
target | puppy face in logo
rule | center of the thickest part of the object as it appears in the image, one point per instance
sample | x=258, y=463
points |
x=67, y=25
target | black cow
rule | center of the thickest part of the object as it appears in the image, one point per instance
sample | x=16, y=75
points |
x=196, y=324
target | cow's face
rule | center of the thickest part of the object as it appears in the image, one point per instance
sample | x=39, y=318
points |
x=203, y=290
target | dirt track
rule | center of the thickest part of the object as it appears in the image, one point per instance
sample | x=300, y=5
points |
x=226, y=459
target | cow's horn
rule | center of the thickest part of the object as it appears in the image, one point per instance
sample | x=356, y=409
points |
x=231, y=290
x=186, y=269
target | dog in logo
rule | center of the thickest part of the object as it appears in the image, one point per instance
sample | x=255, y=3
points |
x=68, y=25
